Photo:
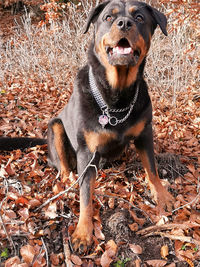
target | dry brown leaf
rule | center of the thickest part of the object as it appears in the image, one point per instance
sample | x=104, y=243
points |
x=11, y=214
x=133, y=227
x=137, y=263
x=27, y=252
x=136, y=248
x=191, y=264
x=111, y=203
x=12, y=196
x=156, y=263
x=24, y=213
x=76, y=260
x=9, y=169
x=57, y=188
x=12, y=262
x=51, y=211
x=105, y=260
x=140, y=221
x=34, y=203
x=164, y=252
x=111, y=250
x=97, y=231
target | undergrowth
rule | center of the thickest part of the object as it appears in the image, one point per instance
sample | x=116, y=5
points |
x=56, y=51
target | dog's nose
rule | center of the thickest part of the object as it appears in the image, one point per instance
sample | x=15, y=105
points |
x=124, y=24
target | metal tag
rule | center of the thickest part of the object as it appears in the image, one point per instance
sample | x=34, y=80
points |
x=103, y=120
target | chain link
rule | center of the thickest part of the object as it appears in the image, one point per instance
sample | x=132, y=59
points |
x=105, y=109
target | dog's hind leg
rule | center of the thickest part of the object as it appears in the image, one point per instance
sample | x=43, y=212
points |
x=61, y=153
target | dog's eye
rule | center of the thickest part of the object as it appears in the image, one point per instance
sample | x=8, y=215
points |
x=108, y=18
x=139, y=18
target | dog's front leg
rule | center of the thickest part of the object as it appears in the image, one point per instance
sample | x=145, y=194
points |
x=144, y=145
x=82, y=236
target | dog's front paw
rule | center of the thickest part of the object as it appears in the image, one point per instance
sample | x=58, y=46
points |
x=82, y=238
x=164, y=200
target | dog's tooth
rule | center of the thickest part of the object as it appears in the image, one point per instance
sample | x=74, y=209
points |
x=121, y=50
x=114, y=50
x=127, y=50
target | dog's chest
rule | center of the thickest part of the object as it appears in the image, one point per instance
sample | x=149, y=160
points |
x=108, y=143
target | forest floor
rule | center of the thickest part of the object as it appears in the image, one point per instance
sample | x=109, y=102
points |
x=128, y=230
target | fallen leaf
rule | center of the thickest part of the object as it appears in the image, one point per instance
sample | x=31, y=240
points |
x=34, y=203
x=24, y=213
x=12, y=262
x=110, y=251
x=76, y=260
x=97, y=231
x=27, y=252
x=156, y=263
x=51, y=211
x=136, y=248
x=21, y=200
x=105, y=260
x=133, y=227
x=111, y=203
x=164, y=252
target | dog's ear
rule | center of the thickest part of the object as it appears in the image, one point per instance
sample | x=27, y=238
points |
x=93, y=15
x=159, y=18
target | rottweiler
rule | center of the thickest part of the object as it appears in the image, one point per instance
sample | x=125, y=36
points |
x=109, y=106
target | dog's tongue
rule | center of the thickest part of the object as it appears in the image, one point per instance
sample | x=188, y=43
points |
x=122, y=50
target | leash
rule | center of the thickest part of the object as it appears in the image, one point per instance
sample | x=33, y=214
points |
x=106, y=118
x=81, y=177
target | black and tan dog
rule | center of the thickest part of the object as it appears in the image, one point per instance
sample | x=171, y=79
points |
x=110, y=105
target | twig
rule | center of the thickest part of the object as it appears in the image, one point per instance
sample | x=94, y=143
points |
x=128, y=168
x=46, y=252
x=176, y=237
x=66, y=248
x=69, y=188
x=192, y=201
x=126, y=201
x=173, y=169
x=4, y=228
x=97, y=197
x=169, y=226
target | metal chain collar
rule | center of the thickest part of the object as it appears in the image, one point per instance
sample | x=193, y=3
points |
x=106, y=118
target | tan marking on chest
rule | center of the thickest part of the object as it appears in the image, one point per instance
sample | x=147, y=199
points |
x=94, y=140
x=136, y=129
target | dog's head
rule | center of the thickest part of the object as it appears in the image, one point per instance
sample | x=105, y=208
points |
x=123, y=31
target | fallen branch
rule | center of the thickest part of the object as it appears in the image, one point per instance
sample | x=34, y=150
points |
x=186, y=239
x=46, y=252
x=169, y=226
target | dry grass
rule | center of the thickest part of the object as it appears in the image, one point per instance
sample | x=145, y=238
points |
x=41, y=53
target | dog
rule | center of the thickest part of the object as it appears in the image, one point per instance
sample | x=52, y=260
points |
x=109, y=106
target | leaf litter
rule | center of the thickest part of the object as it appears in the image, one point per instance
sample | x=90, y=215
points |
x=127, y=227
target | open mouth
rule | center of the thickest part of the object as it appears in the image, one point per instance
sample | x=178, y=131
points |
x=123, y=48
